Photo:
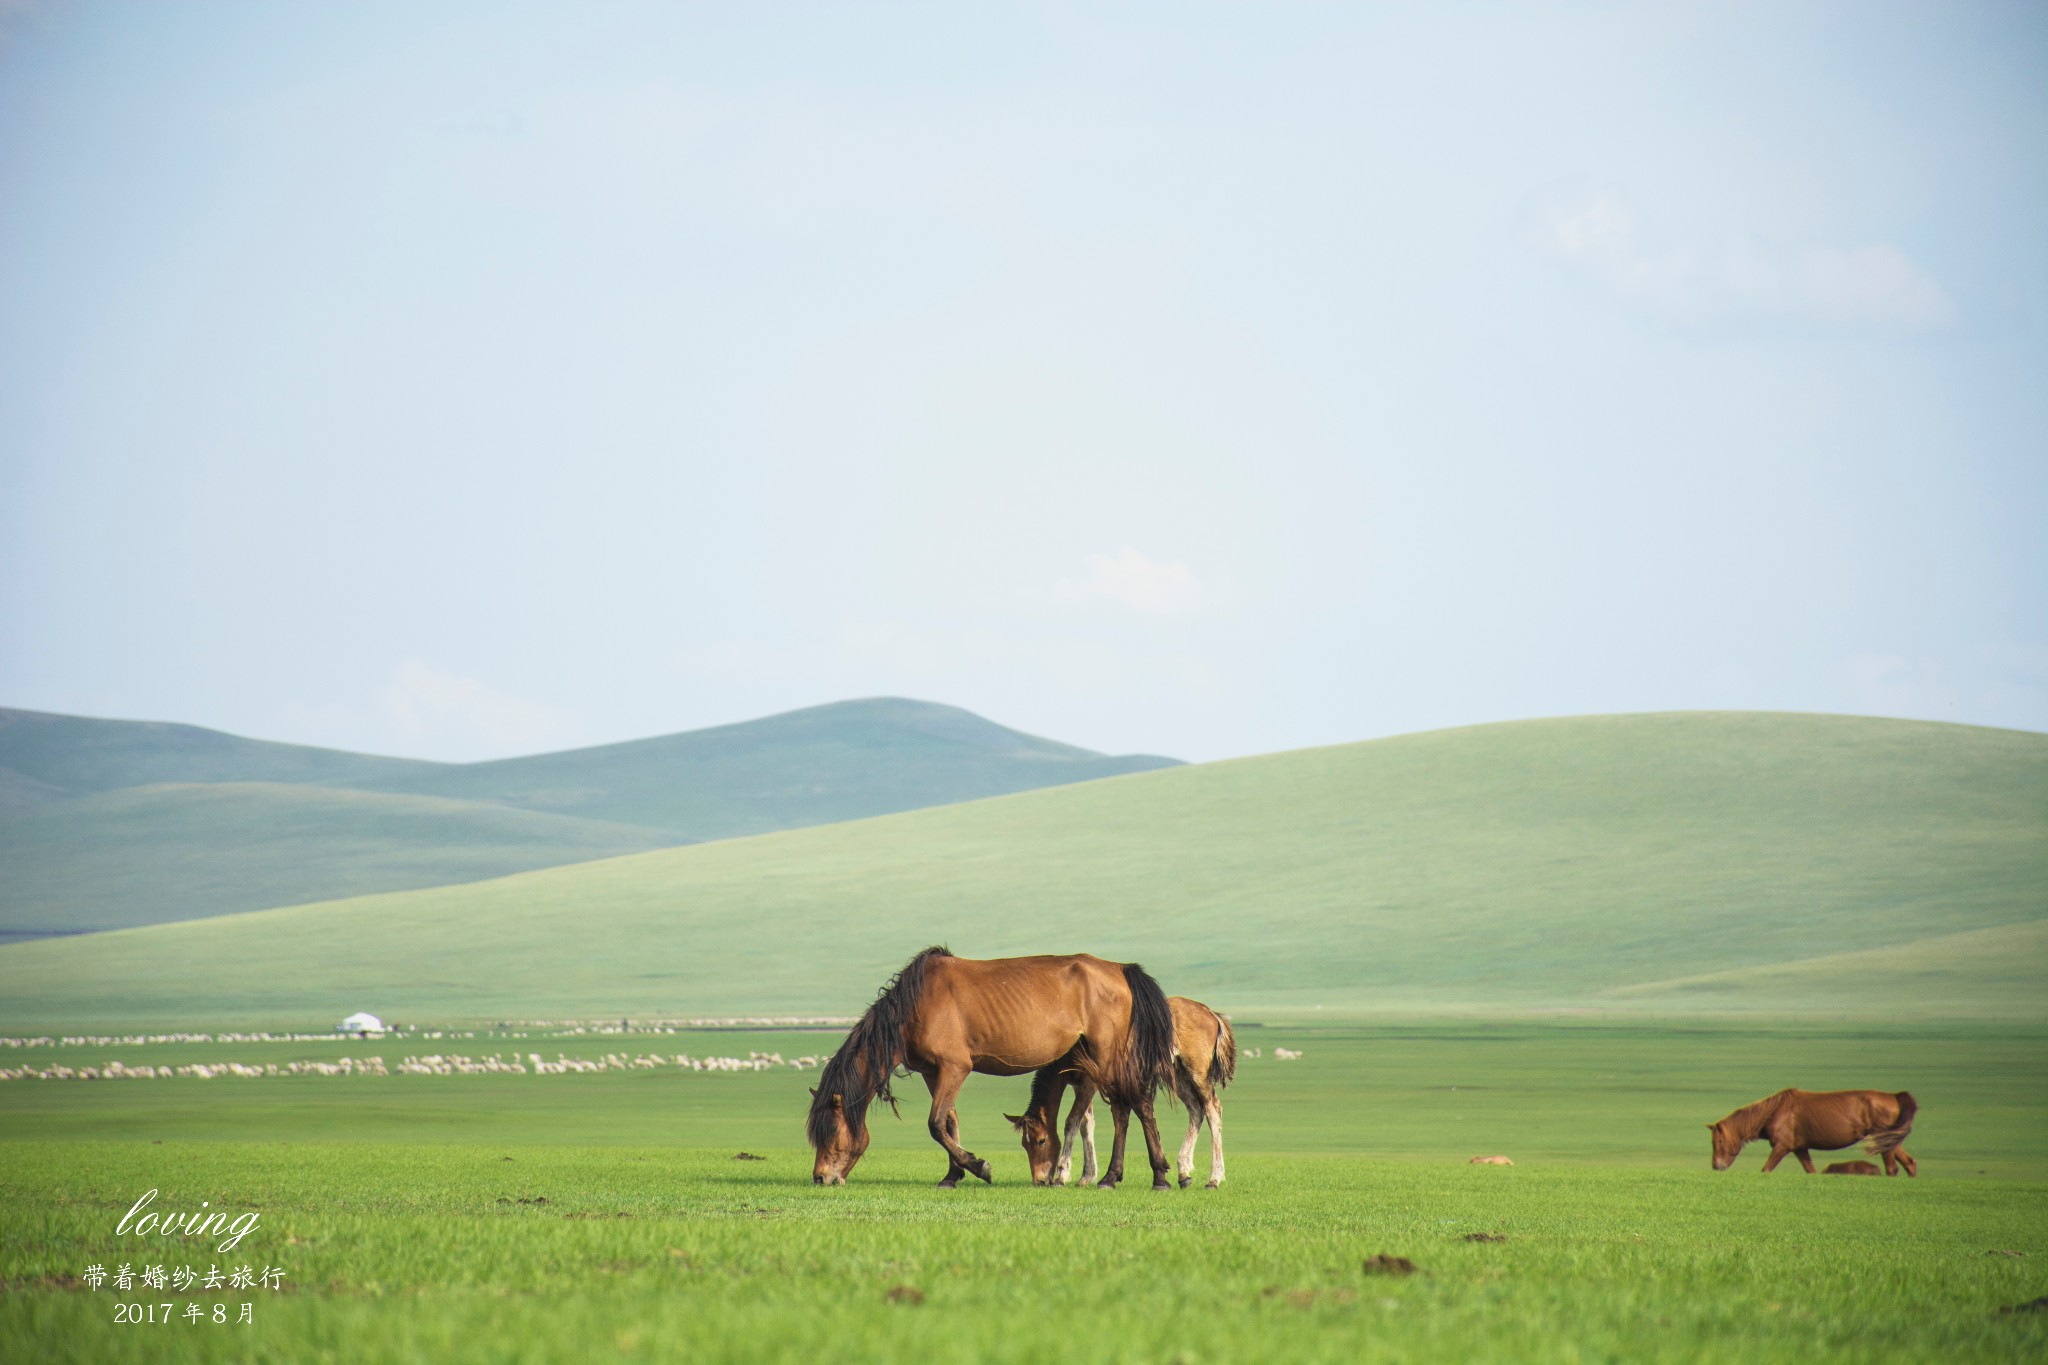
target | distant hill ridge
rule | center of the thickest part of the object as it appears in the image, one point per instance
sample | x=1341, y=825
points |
x=822, y=764
x=113, y=823
x=45, y=757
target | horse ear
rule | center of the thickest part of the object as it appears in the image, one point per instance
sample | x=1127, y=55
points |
x=1016, y=1121
x=814, y=1092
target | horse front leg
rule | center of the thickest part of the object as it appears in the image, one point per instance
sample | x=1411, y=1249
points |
x=1120, y=1119
x=944, y=1126
x=1186, y=1164
x=1080, y=1122
x=954, y=1170
x=1777, y=1155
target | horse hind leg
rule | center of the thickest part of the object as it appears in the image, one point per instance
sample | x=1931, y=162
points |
x=1120, y=1121
x=1214, y=1110
x=1805, y=1159
x=1154, y=1149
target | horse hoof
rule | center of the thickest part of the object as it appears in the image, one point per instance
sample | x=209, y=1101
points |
x=981, y=1169
x=1165, y=1185
x=1213, y=1185
x=951, y=1182
x=1107, y=1185
x=1186, y=1181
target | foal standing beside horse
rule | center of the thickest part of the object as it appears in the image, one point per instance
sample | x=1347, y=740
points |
x=1204, y=1061
x=945, y=1017
x=1796, y=1120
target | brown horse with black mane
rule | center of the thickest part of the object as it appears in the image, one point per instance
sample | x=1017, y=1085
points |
x=1796, y=1121
x=945, y=1017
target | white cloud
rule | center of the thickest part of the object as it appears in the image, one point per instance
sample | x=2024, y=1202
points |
x=1601, y=241
x=429, y=704
x=1160, y=588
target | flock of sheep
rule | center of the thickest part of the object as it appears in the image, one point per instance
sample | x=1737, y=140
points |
x=431, y=1065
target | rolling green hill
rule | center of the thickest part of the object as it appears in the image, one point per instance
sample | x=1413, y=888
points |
x=106, y=824
x=1527, y=865
x=822, y=764
x=142, y=855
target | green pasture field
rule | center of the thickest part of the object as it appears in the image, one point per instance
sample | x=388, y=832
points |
x=1736, y=863
x=581, y=1217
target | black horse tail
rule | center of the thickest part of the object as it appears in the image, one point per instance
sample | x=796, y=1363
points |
x=1148, y=1058
x=1223, y=1063
x=859, y=1071
x=1885, y=1141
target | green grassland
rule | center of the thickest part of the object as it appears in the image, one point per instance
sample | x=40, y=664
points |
x=1976, y=972
x=603, y=1217
x=106, y=824
x=1774, y=864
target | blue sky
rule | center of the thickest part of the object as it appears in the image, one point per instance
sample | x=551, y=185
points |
x=469, y=380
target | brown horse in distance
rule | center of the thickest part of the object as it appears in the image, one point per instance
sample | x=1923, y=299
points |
x=1797, y=1121
x=1204, y=1061
x=945, y=1017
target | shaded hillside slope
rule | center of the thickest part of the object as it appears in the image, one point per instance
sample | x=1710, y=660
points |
x=815, y=766
x=81, y=849
x=45, y=757
x=143, y=855
x=1521, y=865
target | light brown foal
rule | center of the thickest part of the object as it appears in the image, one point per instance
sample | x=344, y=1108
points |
x=1204, y=1061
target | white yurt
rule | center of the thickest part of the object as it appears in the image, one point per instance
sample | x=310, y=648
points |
x=360, y=1023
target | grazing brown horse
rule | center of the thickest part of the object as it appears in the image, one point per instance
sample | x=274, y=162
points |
x=944, y=1017
x=1796, y=1121
x=1204, y=1061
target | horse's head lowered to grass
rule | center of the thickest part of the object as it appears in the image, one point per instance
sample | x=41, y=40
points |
x=840, y=1141
x=1041, y=1143
x=859, y=1073
x=1727, y=1145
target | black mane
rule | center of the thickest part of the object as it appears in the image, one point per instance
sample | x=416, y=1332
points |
x=859, y=1072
